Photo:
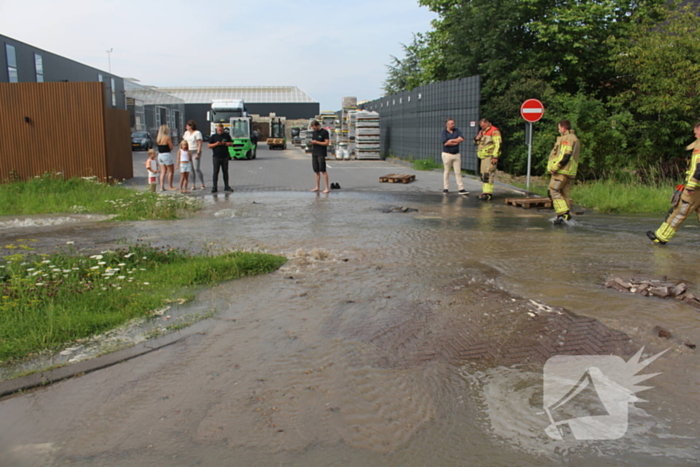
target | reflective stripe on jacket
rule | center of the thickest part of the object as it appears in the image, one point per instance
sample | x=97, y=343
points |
x=567, y=144
x=490, y=143
x=693, y=180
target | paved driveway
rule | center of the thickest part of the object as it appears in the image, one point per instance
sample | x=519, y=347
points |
x=290, y=170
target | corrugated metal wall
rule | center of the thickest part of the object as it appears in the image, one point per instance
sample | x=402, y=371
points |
x=61, y=127
x=411, y=121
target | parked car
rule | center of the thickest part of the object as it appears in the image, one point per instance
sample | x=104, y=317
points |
x=141, y=141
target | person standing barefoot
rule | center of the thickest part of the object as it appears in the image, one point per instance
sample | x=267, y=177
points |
x=165, y=159
x=319, y=151
x=184, y=164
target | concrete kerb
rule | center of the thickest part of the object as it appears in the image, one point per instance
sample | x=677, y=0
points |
x=44, y=378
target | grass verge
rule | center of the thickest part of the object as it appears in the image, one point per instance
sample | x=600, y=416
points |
x=53, y=194
x=425, y=164
x=47, y=301
x=607, y=196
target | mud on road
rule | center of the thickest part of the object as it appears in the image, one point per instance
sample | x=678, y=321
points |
x=387, y=339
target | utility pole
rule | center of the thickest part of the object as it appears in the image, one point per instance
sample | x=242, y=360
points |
x=109, y=59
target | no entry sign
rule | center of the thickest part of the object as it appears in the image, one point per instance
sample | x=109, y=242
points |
x=532, y=110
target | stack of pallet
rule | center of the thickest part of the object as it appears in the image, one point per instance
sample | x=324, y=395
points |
x=367, y=141
x=343, y=129
x=327, y=119
x=351, y=119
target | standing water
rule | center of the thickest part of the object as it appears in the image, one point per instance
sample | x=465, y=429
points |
x=391, y=337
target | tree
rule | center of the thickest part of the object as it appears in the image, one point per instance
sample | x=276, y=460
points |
x=660, y=67
x=405, y=74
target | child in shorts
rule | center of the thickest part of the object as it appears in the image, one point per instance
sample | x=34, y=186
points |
x=152, y=170
x=185, y=164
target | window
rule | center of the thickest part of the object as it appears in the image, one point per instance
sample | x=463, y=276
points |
x=100, y=78
x=39, y=66
x=161, y=116
x=12, y=76
x=114, y=93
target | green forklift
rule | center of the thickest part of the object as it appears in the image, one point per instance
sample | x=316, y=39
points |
x=241, y=131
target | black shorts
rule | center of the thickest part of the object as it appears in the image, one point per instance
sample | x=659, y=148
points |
x=319, y=163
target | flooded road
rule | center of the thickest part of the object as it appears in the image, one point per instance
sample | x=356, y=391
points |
x=403, y=339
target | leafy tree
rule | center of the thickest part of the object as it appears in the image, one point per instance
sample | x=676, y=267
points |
x=660, y=67
x=405, y=74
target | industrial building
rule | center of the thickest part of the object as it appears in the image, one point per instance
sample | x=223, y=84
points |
x=23, y=63
x=150, y=108
x=285, y=101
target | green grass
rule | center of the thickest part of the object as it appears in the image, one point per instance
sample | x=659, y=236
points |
x=53, y=194
x=613, y=197
x=426, y=164
x=47, y=301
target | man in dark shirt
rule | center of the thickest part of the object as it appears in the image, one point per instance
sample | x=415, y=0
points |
x=451, y=137
x=219, y=143
x=319, y=151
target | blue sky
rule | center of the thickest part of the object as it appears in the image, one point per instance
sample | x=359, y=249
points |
x=329, y=50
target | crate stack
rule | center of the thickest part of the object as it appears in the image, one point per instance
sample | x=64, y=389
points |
x=327, y=119
x=343, y=130
x=367, y=135
x=307, y=136
x=352, y=131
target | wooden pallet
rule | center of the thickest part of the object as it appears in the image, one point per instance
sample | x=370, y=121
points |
x=397, y=178
x=528, y=203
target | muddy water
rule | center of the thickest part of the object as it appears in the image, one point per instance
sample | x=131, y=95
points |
x=385, y=340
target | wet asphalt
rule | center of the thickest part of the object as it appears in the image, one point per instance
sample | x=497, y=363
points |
x=390, y=337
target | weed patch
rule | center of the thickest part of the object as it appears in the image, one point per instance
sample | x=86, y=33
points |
x=49, y=300
x=52, y=194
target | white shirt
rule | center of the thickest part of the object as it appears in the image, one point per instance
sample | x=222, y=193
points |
x=184, y=156
x=153, y=164
x=192, y=138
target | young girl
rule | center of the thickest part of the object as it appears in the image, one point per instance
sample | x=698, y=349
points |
x=183, y=161
x=152, y=170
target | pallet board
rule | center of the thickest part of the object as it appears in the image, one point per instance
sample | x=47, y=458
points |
x=397, y=178
x=528, y=203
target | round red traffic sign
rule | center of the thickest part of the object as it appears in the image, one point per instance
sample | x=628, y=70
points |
x=532, y=110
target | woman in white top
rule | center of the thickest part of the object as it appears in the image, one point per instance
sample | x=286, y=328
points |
x=194, y=141
x=165, y=159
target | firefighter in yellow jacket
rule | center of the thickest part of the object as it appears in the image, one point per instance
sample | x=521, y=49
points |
x=563, y=164
x=689, y=200
x=488, y=142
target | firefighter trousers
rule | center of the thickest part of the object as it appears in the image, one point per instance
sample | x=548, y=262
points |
x=560, y=191
x=488, y=175
x=689, y=203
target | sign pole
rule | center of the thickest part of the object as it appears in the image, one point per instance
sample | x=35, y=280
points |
x=532, y=110
x=529, y=154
